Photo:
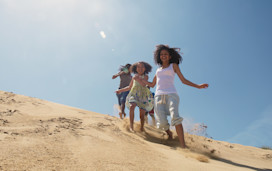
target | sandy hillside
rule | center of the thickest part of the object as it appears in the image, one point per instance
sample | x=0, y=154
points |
x=41, y=135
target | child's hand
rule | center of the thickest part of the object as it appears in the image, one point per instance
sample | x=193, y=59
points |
x=203, y=86
x=117, y=91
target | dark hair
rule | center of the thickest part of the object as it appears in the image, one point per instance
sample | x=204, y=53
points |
x=173, y=52
x=126, y=66
x=148, y=67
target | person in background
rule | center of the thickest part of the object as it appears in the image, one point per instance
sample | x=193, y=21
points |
x=139, y=94
x=125, y=78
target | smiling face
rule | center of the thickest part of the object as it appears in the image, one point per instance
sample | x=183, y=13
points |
x=140, y=68
x=165, y=56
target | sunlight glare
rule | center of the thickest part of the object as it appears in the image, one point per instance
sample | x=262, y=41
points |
x=103, y=35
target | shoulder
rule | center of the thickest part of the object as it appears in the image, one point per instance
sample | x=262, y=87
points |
x=158, y=69
x=174, y=65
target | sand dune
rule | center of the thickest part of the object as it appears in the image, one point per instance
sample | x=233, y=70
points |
x=40, y=135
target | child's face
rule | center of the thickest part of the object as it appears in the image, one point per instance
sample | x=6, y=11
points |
x=140, y=68
x=165, y=56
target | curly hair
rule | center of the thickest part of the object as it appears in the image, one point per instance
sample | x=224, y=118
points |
x=173, y=52
x=148, y=67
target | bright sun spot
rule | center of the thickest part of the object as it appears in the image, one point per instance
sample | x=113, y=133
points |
x=103, y=35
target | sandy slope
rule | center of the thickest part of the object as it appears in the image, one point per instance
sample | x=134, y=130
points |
x=41, y=135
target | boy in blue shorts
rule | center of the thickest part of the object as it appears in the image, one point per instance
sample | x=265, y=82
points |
x=125, y=78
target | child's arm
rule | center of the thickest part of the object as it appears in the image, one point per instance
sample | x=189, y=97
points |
x=117, y=75
x=185, y=81
x=125, y=88
x=151, y=84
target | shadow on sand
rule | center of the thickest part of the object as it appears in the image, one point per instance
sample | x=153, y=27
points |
x=156, y=136
x=241, y=165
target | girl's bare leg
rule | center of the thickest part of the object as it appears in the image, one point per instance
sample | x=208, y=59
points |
x=179, y=129
x=131, y=115
x=142, y=117
x=120, y=111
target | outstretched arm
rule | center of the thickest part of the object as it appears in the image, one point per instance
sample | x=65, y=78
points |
x=151, y=84
x=185, y=81
x=125, y=88
x=117, y=75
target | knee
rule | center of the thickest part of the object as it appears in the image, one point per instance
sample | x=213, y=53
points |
x=132, y=106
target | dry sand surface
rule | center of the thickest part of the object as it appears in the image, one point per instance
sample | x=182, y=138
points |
x=40, y=135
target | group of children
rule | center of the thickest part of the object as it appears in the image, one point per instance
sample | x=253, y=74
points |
x=134, y=91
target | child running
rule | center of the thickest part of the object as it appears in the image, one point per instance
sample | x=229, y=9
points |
x=166, y=97
x=139, y=94
x=125, y=78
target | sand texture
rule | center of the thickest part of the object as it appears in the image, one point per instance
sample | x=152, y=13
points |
x=40, y=135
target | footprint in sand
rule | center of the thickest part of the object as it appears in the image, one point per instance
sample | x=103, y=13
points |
x=268, y=156
x=3, y=122
x=8, y=112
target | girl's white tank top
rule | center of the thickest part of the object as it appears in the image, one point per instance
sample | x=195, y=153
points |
x=165, y=80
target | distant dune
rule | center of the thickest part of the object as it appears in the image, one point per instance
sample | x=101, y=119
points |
x=39, y=135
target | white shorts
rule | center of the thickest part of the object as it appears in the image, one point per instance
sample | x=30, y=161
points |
x=167, y=104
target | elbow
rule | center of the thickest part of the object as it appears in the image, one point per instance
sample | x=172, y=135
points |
x=184, y=81
x=152, y=85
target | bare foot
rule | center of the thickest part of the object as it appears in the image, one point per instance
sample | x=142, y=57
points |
x=170, y=134
x=185, y=147
x=142, y=129
x=131, y=130
x=121, y=116
x=124, y=115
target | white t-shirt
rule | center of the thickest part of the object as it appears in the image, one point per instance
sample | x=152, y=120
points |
x=165, y=80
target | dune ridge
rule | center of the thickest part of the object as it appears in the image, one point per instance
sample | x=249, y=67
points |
x=40, y=135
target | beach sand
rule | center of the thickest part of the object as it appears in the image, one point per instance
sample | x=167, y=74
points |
x=40, y=135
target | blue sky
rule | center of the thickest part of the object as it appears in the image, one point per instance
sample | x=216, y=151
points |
x=66, y=51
